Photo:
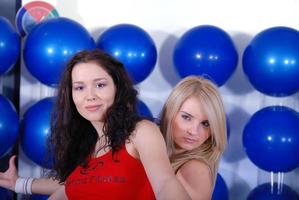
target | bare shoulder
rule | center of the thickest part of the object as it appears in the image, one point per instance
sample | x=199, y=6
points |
x=146, y=128
x=146, y=124
x=196, y=176
x=192, y=166
x=146, y=136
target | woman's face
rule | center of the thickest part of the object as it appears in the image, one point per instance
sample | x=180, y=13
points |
x=93, y=90
x=190, y=126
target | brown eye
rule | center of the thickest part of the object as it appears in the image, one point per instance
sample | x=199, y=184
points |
x=205, y=123
x=78, y=88
x=101, y=85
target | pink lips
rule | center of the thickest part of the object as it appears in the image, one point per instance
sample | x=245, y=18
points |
x=189, y=140
x=92, y=108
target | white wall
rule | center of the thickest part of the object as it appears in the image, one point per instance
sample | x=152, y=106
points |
x=166, y=21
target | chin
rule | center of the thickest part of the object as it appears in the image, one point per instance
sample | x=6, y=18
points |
x=185, y=148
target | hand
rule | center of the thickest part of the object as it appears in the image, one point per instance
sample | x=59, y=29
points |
x=9, y=177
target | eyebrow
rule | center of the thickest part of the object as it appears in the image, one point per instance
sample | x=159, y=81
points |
x=94, y=80
x=186, y=113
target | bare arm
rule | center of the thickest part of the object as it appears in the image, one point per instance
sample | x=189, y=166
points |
x=39, y=186
x=196, y=179
x=45, y=186
x=59, y=194
x=151, y=147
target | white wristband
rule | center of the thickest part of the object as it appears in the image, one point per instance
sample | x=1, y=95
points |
x=24, y=185
x=29, y=186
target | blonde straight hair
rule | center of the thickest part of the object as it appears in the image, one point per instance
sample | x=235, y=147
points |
x=207, y=93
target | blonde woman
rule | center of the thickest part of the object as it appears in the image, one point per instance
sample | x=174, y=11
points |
x=193, y=123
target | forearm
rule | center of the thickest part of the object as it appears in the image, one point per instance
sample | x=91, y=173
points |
x=172, y=189
x=46, y=186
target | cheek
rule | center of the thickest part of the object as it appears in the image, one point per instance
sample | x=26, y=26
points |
x=177, y=129
x=206, y=135
x=77, y=101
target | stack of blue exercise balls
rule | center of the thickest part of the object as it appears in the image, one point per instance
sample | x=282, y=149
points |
x=207, y=51
x=9, y=55
x=271, y=63
x=270, y=137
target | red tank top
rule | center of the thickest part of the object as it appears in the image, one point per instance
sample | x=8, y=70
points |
x=108, y=179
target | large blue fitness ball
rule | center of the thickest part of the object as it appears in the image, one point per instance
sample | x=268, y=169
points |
x=143, y=110
x=206, y=50
x=51, y=44
x=132, y=46
x=271, y=139
x=36, y=132
x=6, y=194
x=271, y=61
x=220, y=190
x=9, y=45
x=267, y=191
x=9, y=125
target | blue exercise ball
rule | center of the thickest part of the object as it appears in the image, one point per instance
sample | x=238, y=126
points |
x=9, y=125
x=227, y=128
x=132, y=46
x=271, y=139
x=34, y=140
x=51, y=44
x=38, y=197
x=143, y=110
x=6, y=194
x=10, y=44
x=220, y=190
x=274, y=192
x=271, y=61
x=207, y=51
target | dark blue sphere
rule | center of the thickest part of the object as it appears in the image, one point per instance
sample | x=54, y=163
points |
x=132, y=46
x=271, y=61
x=9, y=125
x=38, y=197
x=220, y=190
x=10, y=44
x=143, y=110
x=5, y=194
x=36, y=132
x=208, y=51
x=51, y=44
x=268, y=192
x=271, y=139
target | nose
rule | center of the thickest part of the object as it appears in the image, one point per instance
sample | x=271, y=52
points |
x=90, y=96
x=194, y=129
x=91, y=99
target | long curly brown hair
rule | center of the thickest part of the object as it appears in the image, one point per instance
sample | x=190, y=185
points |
x=73, y=138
